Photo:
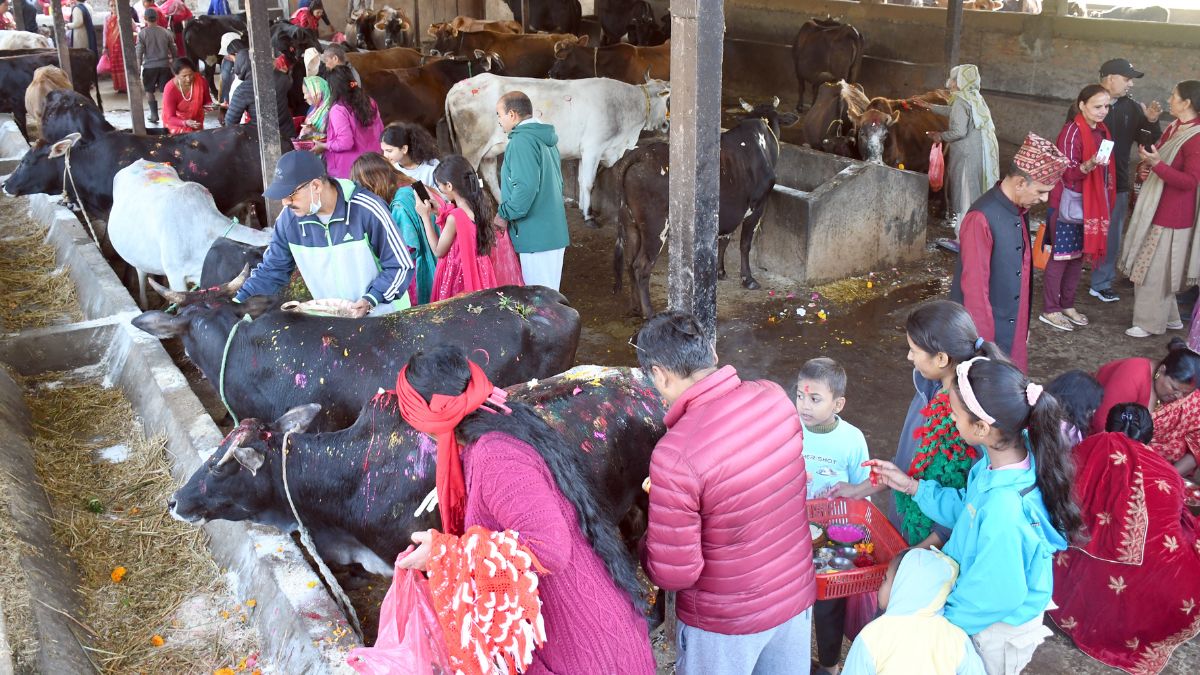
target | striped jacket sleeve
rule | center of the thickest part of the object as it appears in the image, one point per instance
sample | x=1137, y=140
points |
x=395, y=265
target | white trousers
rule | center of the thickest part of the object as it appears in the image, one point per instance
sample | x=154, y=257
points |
x=543, y=268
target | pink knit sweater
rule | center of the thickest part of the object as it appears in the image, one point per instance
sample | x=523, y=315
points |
x=591, y=625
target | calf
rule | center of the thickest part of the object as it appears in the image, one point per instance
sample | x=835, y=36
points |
x=827, y=121
x=202, y=40
x=894, y=131
x=17, y=71
x=203, y=157
x=162, y=225
x=548, y=16
x=358, y=490
x=515, y=333
x=418, y=95
x=45, y=80
x=20, y=39
x=628, y=63
x=523, y=55
x=749, y=152
x=597, y=121
x=825, y=51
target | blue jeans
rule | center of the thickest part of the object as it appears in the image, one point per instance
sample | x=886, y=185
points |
x=1104, y=273
x=783, y=650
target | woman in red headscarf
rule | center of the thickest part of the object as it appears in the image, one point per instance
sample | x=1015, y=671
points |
x=112, y=47
x=502, y=471
x=1128, y=593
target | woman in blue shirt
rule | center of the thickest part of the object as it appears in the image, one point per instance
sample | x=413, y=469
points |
x=1014, y=515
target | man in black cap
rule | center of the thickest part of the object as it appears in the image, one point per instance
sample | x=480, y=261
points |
x=1126, y=120
x=340, y=236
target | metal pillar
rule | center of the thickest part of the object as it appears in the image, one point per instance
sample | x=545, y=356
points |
x=262, y=59
x=697, y=50
x=60, y=40
x=133, y=78
x=954, y=19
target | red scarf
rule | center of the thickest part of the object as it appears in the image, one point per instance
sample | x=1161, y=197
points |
x=1098, y=194
x=440, y=417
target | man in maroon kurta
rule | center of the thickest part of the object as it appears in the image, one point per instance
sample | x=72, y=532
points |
x=993, y=274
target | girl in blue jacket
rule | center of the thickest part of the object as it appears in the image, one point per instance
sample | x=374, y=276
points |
x=1014, y=515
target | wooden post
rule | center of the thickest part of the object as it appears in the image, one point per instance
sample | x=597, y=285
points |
x=954, y=19
x=697, y=50
x=266, y=115
x=18, y=13
x=60, y=40
x=133, y=75
x=416, y=19
x=525, y=27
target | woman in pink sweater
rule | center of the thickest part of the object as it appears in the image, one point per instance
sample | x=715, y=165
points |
x=513, y=472
x=354, y=125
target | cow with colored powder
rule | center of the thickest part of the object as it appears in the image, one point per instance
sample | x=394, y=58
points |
x=279, y=360
x=362, y=491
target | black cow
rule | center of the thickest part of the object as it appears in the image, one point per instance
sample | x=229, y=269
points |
x=202, y=41
x=418, y=95
x=358, y=490
x=226, y=258
x=203, y=157
x=616, y=17
x=281, y=360
x=646, y=31
x=16, y=73
x=67, y=112
x=749, y=152
x=826, y=51
x=549, y=16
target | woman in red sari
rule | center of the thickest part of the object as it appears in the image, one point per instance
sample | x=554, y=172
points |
x=184, y=98
x=1128, y=593
x=112, y=47
x=471, y=257
x=1167, y=389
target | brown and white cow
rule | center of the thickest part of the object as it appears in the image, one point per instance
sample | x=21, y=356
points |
x=894, y=131
x=826, y=51
x=575, y=59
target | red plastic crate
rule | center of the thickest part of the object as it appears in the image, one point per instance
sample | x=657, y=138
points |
x=887, y=540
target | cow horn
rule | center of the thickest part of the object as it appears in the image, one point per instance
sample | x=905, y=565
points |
x=775, y=102
x=227, y=456
x=169, y=295
x=235, y=285
x=746, y=106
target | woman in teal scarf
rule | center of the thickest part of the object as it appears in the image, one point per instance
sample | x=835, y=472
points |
x=378, y=175
x=316, y=93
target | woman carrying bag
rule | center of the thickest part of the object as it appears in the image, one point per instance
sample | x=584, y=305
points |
x=1078, y=225
x=1161, y=255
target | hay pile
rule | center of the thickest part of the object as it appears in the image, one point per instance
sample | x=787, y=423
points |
x=34, y=292
x=112, y=516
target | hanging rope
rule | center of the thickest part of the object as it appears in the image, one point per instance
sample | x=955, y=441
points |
x=68, y=176
x=224, y=361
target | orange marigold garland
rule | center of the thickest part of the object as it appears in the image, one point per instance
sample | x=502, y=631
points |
x=485, y=589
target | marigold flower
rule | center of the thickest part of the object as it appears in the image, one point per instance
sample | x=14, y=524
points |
x=118, y=574
x=251, y=602
x=157, y=640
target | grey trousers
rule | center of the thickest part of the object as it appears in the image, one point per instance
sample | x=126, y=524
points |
x=783, y=650
x=1104, y=273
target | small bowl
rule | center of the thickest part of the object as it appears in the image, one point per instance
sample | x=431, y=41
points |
x=841, y=564
x=824, y=554
x=303, y=145
x=846, y=552
x=844, y=534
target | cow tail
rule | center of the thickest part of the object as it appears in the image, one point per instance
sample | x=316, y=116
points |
x=619, y=255
x=450, y=135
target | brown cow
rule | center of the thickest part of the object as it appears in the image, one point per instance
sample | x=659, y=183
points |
x=418, y=95
x=465, y=24
x=827, y=122
x=378, y=28
x=894, y=131
x=826, y=51
x=528, y=55
x=388, y=59
x=45, y=80
x=574, y=60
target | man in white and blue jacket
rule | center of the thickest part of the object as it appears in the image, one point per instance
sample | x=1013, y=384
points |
x=340, y=236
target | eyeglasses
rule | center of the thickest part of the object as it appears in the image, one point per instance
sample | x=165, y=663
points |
x=292, y=196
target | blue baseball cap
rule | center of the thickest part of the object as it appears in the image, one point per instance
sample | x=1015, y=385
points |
x=293, y=170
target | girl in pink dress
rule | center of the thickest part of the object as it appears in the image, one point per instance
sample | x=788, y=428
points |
x=472, y=253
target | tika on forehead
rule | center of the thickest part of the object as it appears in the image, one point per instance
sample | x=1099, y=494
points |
x=1041, y=159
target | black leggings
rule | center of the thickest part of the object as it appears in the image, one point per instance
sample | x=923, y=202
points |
x=829, y=620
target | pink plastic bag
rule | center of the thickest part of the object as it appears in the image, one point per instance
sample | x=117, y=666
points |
x=937, y=167
x=104, y=65
x=861, y=609
x=410, y=638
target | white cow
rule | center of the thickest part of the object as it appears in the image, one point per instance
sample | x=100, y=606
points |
x=21, y=39
x=597, y=120
x=162, y=225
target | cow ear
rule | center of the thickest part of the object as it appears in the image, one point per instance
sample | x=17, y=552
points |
x=433, y=29
x=583, y=41
x=60, y=148
x=297, y=420
x=479, y=53
x=162, y=325
x=894, y=118
x=250, y=458
x=256, y=305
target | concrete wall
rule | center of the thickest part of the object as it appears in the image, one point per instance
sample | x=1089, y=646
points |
x=1031, y=65
x=825, y=206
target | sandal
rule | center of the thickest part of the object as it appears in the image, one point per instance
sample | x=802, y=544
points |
x=1075, y=317
x=1057, y=320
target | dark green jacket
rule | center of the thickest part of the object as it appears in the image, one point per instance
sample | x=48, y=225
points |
x=531, y=189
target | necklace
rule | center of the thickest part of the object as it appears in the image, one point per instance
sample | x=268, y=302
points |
x=191, y=91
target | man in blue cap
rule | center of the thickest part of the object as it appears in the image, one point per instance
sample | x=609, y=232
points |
x=340, y=236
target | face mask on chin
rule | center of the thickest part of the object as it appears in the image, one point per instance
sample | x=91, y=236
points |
x=314, y=204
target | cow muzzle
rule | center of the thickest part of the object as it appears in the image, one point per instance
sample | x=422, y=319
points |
x=173, y=509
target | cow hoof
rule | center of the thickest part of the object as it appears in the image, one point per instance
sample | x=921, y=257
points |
x=592, y=223
x=750, y=284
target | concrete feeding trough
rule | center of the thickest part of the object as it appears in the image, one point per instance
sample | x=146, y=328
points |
x=295, y=617
x=831, y=217
x=12, y=145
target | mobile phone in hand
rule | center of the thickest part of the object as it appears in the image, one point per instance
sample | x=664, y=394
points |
x=422, y=193
x=1104, y=152
x=1145, y=138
